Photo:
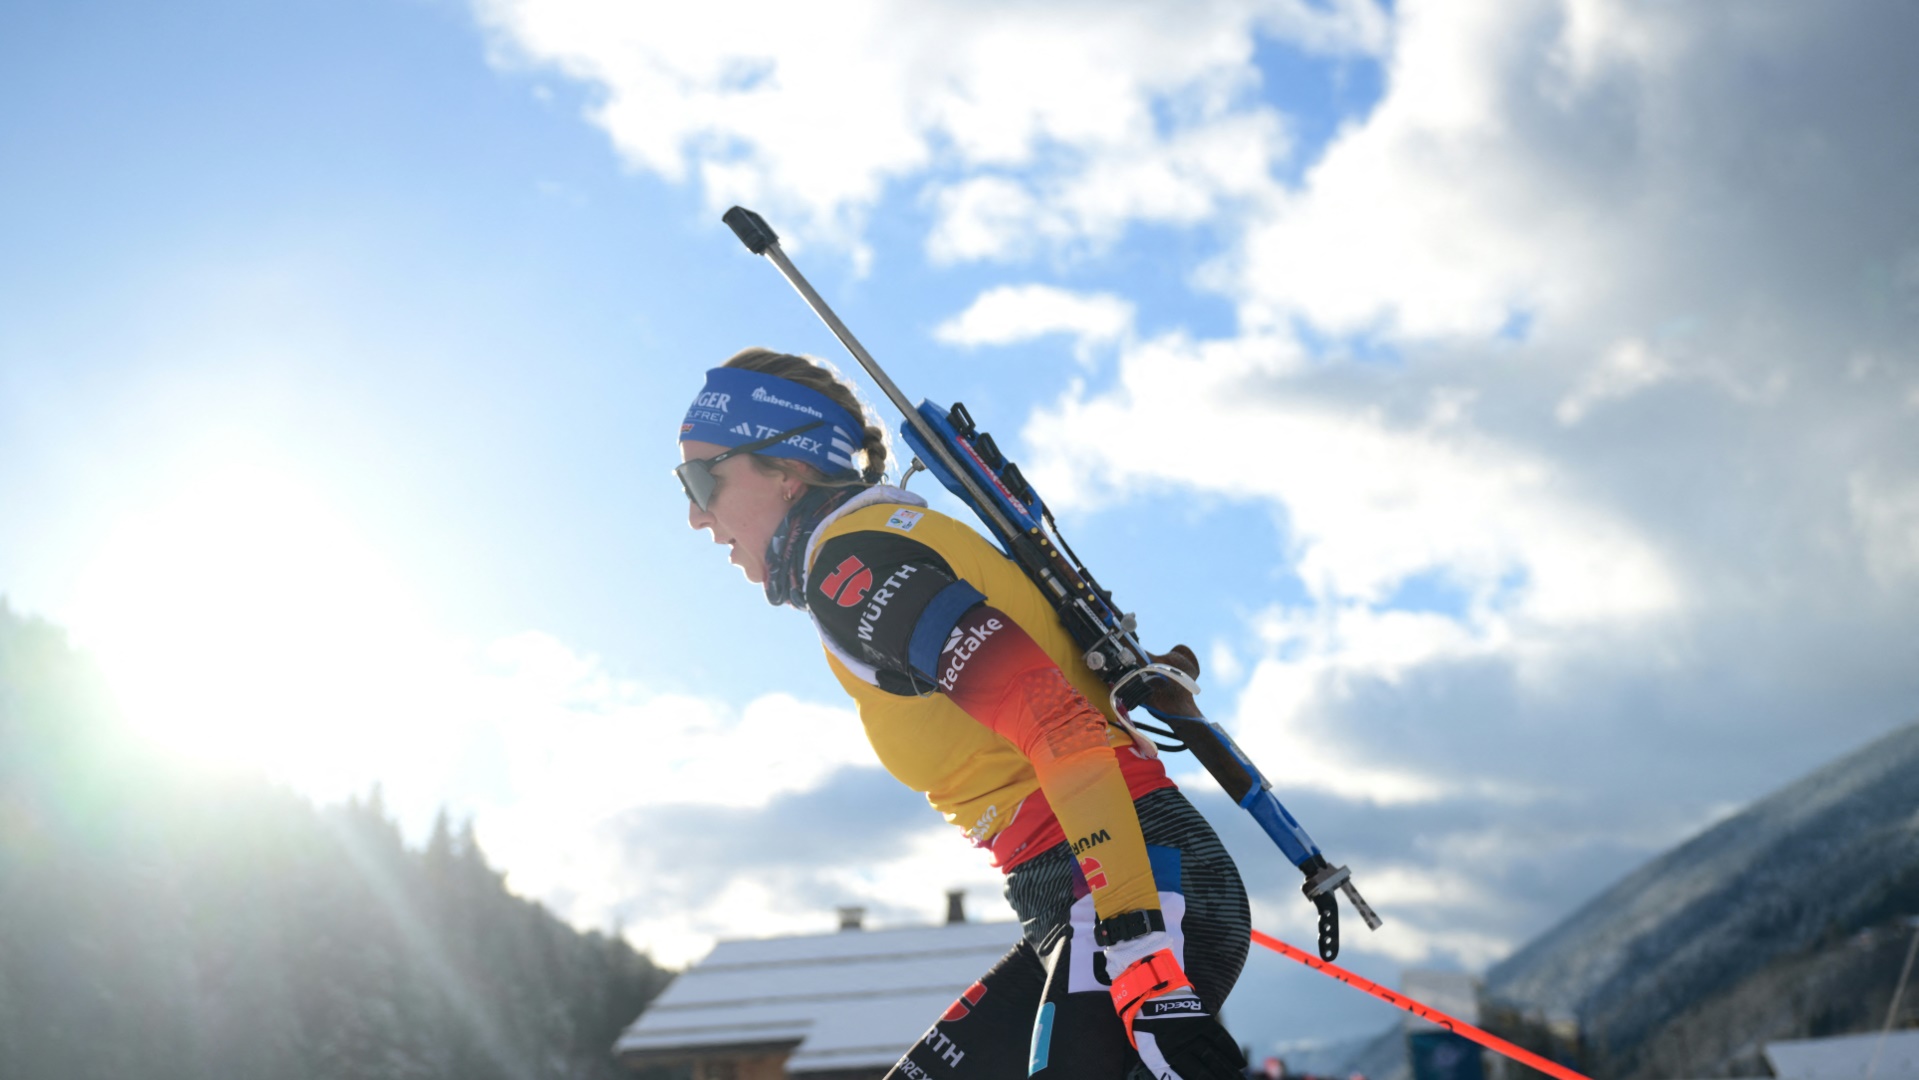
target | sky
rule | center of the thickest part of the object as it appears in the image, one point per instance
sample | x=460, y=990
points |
x=1514, y=404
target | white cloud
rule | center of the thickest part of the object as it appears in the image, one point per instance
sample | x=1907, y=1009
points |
x=1409, y=221
x=583, y=751
x=1619, y=414
x=987, y=216
x=1593, y=167
x=574, y=735
x=1886, y=516
x=1626, y=369
x=1007, y=314
x=1186, y=178
x=1369, y=502
x=1281, y=719
x=1139, y=110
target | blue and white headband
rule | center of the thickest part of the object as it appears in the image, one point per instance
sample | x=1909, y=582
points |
x=738, y=406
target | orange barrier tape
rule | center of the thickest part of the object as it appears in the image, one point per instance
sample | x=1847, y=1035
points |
x=1424, y=1012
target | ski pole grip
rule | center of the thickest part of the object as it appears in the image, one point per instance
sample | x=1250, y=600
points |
x=751, y=228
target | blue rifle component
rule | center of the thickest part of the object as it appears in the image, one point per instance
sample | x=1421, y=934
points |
x=1024, y=514
x=1021, y=506
x=1266, y=808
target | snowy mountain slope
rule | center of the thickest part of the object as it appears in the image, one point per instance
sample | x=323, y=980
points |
x=1829, y=853
x=1839, y=988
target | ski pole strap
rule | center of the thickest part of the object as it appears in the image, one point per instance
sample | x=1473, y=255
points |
x=1423, y=1011
x=1151, y=975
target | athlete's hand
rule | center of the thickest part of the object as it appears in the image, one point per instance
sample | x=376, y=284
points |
x=1169, y=696
x=1175, y=1036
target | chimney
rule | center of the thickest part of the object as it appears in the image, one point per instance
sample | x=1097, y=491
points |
x=850, y=917
x=955, y=906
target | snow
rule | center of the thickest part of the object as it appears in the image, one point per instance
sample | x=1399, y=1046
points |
x=850, y=999
x=1847, y=1057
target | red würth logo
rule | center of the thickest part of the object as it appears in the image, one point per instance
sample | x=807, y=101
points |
x=849, y=582
x=965, y=1003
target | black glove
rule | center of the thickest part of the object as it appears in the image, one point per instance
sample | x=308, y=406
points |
x=1170, y=697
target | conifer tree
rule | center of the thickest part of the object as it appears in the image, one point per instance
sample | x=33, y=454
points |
x=162, y=924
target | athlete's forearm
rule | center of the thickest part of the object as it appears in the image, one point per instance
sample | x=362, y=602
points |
x=999, y=676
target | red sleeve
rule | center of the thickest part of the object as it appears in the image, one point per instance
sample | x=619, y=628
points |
x=1000, y=676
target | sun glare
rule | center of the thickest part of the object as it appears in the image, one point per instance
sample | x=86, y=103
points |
x=242, y=621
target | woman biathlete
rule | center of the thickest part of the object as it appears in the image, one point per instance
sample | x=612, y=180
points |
x=1134, y=923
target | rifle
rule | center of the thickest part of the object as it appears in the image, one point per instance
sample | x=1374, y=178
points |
x=947, y=443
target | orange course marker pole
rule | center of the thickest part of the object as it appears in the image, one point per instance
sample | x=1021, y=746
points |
x=1424, y=1012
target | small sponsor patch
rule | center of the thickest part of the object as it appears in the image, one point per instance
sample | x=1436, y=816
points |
x=904, y=519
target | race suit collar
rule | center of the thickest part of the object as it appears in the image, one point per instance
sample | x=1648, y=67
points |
x=878, y=493
x=785, y=570
x=786, y=561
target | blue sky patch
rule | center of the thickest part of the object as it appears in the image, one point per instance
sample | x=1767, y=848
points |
x=1318, y=95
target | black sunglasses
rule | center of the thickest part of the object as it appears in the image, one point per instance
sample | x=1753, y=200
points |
x=697, y=477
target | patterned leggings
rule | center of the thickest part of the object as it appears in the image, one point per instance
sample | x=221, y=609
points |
x=1044, y=1010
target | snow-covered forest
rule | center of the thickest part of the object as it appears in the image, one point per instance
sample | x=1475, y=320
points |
x=163, y=922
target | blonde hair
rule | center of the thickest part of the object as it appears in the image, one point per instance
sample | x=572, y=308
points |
x=821, y=378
